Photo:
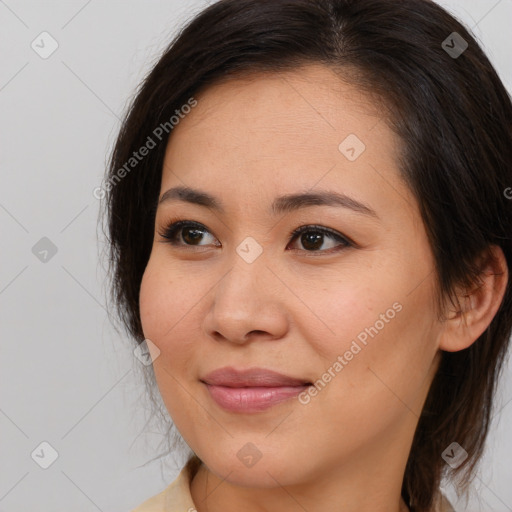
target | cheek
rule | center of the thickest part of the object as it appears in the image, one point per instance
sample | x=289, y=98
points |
x=166, y=307
x=386, y=335
x=339, y=311
x=386, y=361
x=153, y=302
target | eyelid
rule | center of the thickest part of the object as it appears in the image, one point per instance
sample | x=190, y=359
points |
x=174, y=225
x=325, y=230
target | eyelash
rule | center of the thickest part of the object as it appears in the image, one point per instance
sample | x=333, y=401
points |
x=174, y=226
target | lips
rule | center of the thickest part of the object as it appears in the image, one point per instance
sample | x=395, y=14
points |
x=253, y=377
x=252, y=390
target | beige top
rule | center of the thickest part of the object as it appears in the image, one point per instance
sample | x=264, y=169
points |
x=177, y=498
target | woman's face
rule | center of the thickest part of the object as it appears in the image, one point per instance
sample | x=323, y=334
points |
x=236, y=290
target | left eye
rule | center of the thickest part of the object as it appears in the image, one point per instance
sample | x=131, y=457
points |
x=312, y=238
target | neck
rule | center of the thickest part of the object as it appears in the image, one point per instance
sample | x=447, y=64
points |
x=212, y=493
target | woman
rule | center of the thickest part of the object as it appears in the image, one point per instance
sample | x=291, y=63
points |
x=310, y=231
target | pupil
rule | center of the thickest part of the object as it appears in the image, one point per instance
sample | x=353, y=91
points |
x=196, y=234
x=311, y=240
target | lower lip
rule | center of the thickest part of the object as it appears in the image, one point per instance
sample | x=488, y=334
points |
x=252, y=399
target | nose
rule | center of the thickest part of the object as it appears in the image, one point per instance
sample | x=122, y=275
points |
x=247, y=304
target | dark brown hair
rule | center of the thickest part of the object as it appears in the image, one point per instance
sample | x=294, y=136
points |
x=453, y=116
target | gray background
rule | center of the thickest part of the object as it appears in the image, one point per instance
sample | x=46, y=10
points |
x=66, y=376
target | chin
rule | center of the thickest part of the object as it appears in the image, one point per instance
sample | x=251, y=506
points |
x=267, y=472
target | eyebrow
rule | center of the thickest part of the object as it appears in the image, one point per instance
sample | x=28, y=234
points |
x=283, y=204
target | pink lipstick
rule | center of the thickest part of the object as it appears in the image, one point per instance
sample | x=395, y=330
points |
x=251, y=390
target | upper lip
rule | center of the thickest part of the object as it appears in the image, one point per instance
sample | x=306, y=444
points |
x=251, y=377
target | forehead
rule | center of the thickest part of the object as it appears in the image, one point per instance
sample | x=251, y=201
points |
x=283, y=132
x=311, y=103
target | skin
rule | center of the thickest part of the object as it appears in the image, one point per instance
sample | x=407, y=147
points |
x=295, y=310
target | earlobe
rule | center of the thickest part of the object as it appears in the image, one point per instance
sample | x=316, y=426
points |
x=464, y=325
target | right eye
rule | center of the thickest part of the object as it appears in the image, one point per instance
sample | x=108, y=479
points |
x=184, y=233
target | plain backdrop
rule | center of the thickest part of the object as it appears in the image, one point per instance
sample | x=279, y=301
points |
x=67, y=378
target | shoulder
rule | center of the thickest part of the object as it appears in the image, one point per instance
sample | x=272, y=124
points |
x=176, y=497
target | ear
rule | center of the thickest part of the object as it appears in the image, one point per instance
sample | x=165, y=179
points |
x=477, y=307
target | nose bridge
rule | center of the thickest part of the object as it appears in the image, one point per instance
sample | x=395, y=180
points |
x=242, y=288
x=248, y=262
